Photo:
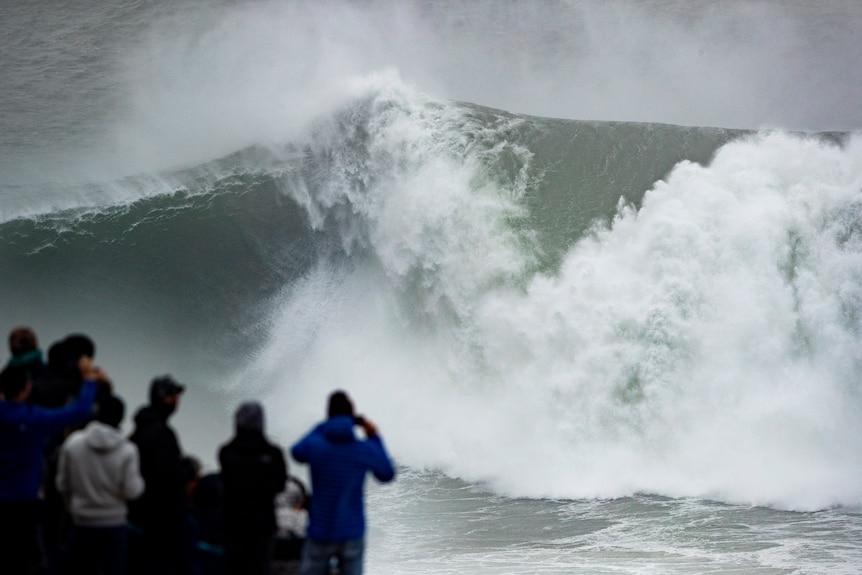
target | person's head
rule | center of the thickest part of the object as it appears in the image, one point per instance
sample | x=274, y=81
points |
x=77, y=345
x=293, y=496
x=57, y=356
x=111, y=411
x=15, y=382
x=249, y=417
x=65, y=355
x=339, y=404
x=165, y=391
x=22, y=339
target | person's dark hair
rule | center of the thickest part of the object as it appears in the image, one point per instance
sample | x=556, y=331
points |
x=13, y=379
x=63, y=356
x=340, y=404
x=21, y=340
x=111, y=410
x=77, y=345
x=57, y=356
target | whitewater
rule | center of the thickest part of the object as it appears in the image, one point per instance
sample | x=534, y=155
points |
x=600, y=334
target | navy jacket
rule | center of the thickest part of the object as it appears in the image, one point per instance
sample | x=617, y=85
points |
x=339, y=462
x=25, y=431
x=253, y=472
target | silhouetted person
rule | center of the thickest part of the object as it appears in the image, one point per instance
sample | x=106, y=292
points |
x=157, y=516
x=61, y=378
x=97, y=473
x=253, y=472
x=25, y=431
x=339, y=462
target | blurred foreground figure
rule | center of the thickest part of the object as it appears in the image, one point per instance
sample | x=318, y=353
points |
x=253, y=472
x=157, y=518
x=98, y=471
x=25, y=431
x=339, y=462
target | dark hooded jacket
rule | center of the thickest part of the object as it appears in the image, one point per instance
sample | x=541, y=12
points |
x=253, y=472
x=339, y=462
x=164, y=501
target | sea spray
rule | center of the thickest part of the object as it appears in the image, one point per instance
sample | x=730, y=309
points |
x=702, y=345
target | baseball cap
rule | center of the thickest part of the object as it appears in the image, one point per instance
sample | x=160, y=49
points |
x=164, y=386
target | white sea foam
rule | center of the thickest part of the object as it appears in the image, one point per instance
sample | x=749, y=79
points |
x=706, y=344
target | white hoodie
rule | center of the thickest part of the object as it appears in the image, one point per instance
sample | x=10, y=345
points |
x=98, y=471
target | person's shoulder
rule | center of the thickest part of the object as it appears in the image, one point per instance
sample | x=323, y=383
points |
x=225, y=448
x=76, y=436
x=274, y=447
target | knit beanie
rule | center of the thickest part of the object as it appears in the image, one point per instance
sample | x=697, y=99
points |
x=249, y=415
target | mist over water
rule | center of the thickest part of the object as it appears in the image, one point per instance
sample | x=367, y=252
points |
x=96, y=93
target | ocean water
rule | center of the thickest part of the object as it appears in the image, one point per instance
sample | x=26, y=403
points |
x=594, y=269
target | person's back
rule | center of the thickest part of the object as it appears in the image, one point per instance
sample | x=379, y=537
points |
x=339, y=462
x=253, y=471
x=161, y=459
x=157, y=516
x=25, y=431
x=98, y=472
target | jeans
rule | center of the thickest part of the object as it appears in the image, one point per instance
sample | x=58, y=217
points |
x=316, y=556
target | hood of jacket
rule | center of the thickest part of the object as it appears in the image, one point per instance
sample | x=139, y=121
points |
x=338, y=429
x=101, y=437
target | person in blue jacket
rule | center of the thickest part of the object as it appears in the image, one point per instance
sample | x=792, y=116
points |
x=25, y=431
x=339, y=462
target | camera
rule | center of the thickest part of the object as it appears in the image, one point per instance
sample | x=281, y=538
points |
x=359, y=420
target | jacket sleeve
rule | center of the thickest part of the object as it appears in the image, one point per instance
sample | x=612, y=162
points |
x=75, y=412
x=381, y=465
x=301, y=450
x=133, y=482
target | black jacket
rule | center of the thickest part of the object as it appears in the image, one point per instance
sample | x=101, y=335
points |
x=163, y=503
x=253, y=472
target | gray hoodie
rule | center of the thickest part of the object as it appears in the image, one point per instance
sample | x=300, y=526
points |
x=98, y=471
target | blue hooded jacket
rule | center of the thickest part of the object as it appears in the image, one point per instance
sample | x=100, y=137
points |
x=339, y=462
x=25, y=431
